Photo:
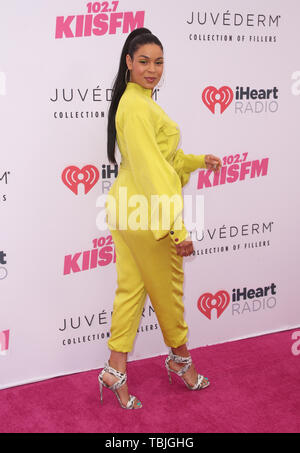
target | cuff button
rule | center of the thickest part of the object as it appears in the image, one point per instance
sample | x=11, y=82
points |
x=171, y=232
x=176, y=239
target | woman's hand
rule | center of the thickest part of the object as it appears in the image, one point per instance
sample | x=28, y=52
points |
x=212, y=162
x=185, y=248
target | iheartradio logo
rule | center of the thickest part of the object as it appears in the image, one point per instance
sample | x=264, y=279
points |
x=207, y=302
x=72, y=176
x=247, y=99
x=223, y=96
x=4, y=340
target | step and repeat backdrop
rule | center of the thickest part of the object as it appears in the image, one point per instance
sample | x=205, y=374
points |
x=232, y=83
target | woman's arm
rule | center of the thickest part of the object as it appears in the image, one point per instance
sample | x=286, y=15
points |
x=185, y=164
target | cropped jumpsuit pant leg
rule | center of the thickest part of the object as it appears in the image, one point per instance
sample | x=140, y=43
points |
x=147, y=266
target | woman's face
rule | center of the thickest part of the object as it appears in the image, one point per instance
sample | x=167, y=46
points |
x=147, y=66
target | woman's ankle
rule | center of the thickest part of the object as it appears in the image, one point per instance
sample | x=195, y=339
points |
x=182, y=351
x=118, y=361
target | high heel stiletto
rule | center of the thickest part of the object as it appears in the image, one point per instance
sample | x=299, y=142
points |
x=122, y=380
x=188, y=362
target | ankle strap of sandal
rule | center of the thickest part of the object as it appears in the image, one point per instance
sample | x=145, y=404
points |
x=122, y=376
x=179, y=359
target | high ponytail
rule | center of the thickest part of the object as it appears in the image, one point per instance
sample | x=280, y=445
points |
x=134, y=40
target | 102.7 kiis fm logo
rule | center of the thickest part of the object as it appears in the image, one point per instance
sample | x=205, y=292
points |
x=101, y=18
x=243, y=301
x=247, y=99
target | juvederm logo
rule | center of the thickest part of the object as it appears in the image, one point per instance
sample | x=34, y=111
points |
x=233, y=19
x=82, y=103
x=4, y=341
x=100, y=19
x=230, y=26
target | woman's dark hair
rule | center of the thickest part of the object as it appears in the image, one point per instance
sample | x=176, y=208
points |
x=134, y=40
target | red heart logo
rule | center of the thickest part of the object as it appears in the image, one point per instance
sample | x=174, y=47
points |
x=72, y=176
x=208, y=301
x=211, y=96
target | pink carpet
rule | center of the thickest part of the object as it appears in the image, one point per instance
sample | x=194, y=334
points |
x=255, y=388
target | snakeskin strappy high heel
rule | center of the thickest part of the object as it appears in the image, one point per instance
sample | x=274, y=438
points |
x=188, y=362
x=122, y=380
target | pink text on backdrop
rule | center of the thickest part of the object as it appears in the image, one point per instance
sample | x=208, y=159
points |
x=99, y=24
x=233, y=173
x=102, y=254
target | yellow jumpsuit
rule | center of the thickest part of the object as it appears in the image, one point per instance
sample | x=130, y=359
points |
x=146, y=259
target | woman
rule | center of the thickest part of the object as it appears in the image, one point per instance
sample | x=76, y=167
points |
x=148, y=261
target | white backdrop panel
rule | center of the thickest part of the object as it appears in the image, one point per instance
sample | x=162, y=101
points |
x=56, y=300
